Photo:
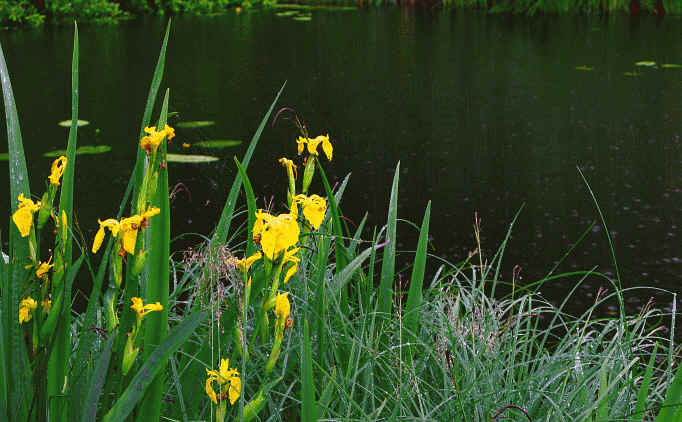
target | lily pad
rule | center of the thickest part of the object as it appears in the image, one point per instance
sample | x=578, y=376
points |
x=585, y=68
x=189, y=158
x=195, y=124
x=286, y=14
x=82, y=150
x=645, y=63
x=671, y=66
x=302, y=18
x=79, y=123
x=218, y=143
x=4, y=156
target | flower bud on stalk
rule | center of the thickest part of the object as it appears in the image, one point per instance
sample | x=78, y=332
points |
x=129, y=354
x=308, y=173
x=45, y=206
x=117, y=268
x=139, y=262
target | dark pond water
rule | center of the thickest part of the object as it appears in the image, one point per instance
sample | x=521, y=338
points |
x=485, y=113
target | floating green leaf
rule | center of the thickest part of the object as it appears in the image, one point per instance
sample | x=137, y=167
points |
x=218, y=143
x=302, y=18
x=67, y=123
x=671, y=66
x=585, y=68
x=286, y=14
x=189, y=158
x=645, y=63
x=81, y=150
x=4, y=156
x=195, y=124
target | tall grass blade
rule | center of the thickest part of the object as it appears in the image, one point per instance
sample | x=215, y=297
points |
x=58, y=364
x=3, y=357
x=138, y=171
x=156, y=324
x=152, y=367
x=94, y=387
x=308, y=405
x=414, y=296
x=603, y=408
x=16, y=362
x=672, y=405
x=223, y=227
x=388, y=260
x=642, y=396
x=608, y=237
x=251, y=207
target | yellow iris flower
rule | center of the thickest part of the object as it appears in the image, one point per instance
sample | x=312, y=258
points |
x=26, y=308
x=43, y=268
x=314, y=208
x=326, y=146
x=23, y=216
x=224, y=376
x=154, y=138
x=142, y=309
x=277, y=234
x=128, y=227
x=57, y=170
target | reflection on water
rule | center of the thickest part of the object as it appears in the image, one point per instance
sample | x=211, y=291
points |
x=485, y=113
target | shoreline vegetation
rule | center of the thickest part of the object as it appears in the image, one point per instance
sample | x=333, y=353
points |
x=287, y=314
x=14, y=13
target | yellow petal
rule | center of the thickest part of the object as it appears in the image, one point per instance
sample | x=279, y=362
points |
x=128, y=241
x=327, y=147
x=314, y=210
x=312, y=145
x=235, y=389
x=57, y=170
x=290, y=273
x=282, y=306
x=23, y=219
x=209, y=390
x=99, y=237
x=300, y=144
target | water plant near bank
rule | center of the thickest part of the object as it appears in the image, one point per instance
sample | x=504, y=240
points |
x=292, y=315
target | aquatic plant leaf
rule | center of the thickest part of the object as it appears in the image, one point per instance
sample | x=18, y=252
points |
x=79, y=123
x=81, y=150
x=195, y=124
x=645, y=63
x=302, y=18
x=157, y=275
x=631, y=73
x=671, y=66
x=4, y=156
x=190, y=158
x=218, y=143
x=286, y=14
x=585, y=68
